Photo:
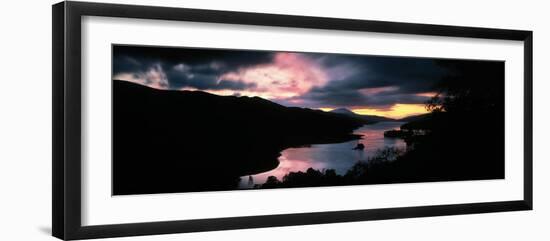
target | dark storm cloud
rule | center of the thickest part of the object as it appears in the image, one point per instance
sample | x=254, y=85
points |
x=351, y=80
x=187, y=67
x=396, y=79
x=203, y=80
x=321, y=97
x=192, y=56
x=410, y=74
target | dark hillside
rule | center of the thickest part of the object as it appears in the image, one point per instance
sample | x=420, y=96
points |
x=176, y=141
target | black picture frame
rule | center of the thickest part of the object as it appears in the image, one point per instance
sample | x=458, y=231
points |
x=66, y=198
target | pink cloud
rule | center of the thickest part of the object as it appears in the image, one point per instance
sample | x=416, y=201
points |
x=289, y=75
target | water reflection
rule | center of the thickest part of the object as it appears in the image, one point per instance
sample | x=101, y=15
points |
x=339, y=156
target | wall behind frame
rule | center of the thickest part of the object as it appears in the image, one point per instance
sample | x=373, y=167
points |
x=25, y=119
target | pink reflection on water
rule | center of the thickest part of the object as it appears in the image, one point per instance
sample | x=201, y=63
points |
x=285, y=166
x=337, y=156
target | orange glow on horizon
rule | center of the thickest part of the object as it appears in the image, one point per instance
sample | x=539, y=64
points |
x=397, y=111
x=326, y=109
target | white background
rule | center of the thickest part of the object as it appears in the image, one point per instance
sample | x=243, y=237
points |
x=25, y=120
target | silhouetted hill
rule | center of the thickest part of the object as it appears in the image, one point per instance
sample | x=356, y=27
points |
x=175, y=141
x=415, y=117
x=343, y=111
x=367, y=118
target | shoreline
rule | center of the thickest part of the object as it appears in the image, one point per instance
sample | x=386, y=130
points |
x=333, y=140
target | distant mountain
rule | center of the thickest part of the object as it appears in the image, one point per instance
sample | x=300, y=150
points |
x=175, y=141
x=368, y=118
x=343, y=111
x=415, y=117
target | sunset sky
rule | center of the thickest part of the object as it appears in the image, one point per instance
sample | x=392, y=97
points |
x=386, y=86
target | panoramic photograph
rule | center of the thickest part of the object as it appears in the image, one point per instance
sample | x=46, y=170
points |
x=202, y=119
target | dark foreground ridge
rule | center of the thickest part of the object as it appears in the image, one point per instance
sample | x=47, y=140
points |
x=178, y=141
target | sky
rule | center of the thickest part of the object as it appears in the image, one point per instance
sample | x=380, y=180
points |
x=394, y=87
